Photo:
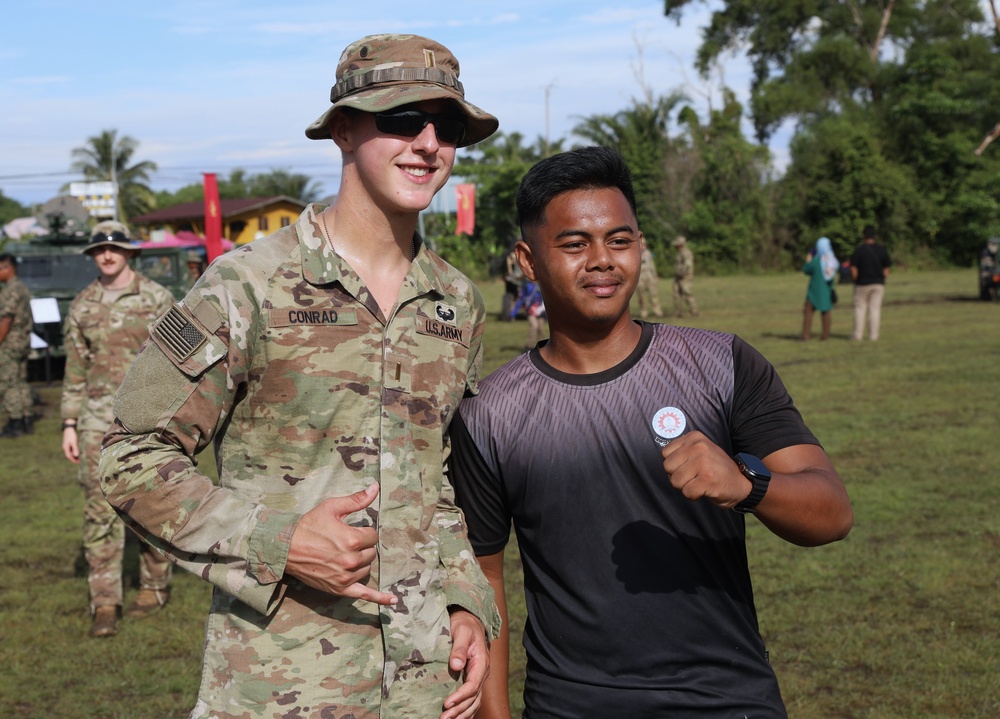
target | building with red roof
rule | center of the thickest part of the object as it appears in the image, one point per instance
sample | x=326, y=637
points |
x=243, y=220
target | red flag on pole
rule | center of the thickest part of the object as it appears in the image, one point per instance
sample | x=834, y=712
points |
x=213, y=218
x=465, y=196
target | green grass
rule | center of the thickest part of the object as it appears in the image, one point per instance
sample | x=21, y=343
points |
x=899, y=620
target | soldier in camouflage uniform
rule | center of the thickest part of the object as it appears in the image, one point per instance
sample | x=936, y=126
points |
x=325, y=363
x=106, y=324
x=684, y=278
x=648, y=289
x=15, y=343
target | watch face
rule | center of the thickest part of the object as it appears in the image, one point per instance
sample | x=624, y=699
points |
x=753, y=464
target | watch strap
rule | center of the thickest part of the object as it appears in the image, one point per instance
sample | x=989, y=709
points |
x=757, y=491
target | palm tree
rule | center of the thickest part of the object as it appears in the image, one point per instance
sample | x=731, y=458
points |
x=106, y=152
x=640, y=134
x=283, y=182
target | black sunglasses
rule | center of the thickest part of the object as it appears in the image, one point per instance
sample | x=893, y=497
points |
x=449, y=128
x=115, y=236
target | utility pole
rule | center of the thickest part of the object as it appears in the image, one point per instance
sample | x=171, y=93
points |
x=114, y=182
x=548, y=89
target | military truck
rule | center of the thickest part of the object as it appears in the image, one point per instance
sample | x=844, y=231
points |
x=54, y=266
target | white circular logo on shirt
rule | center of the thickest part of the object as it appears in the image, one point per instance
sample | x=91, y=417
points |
x=669, y=423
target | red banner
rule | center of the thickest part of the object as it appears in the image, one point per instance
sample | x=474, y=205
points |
x=213, y=218
x=465, y=196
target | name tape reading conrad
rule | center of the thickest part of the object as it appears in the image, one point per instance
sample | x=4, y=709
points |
x=288, y=317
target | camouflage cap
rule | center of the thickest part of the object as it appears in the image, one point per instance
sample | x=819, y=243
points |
x=109, y=234
x=680, y=241
x=381, y=72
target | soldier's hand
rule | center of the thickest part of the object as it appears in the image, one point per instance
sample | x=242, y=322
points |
x=332, y=556
x=470, y=658
x=700, y=468
x=71, y=445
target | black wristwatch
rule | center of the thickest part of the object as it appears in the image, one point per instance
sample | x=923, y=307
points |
x=754, y=470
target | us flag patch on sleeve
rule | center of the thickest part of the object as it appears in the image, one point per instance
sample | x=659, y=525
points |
x=177, y=334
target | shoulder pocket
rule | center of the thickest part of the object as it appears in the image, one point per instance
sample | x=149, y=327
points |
x=187, y=336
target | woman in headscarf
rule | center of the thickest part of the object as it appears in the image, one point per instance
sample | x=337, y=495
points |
x=821, y=265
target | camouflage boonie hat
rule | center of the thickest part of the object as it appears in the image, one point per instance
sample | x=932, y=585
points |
x=680, y=241
x=381, y=72
x=109, y=234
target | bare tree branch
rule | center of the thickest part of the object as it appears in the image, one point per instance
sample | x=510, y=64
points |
x=996, y=17
x=639, y=70
x=990, y=137
x=886, y=14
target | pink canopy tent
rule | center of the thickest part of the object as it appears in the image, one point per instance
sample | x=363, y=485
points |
x=183, y=239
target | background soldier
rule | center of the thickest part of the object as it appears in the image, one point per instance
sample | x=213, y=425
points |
x=513, y=278
x=684, y=278
x=195, y=266
x=988, y=269
x=15, y=343
x=649, y=286
x=106, y=324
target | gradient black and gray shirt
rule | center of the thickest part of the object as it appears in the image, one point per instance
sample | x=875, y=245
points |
x=639, y=600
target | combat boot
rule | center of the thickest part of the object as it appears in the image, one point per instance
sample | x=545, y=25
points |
x=13, y=429
x=28, y=425
x=105, y=621
x=148, y=601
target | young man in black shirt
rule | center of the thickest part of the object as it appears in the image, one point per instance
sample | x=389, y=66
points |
x=611, y=449
x=870, y=265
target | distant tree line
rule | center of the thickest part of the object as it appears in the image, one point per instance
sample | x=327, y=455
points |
x=895, y=105
x=240, y=184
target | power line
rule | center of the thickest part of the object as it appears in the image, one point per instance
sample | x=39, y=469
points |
x=165, y=172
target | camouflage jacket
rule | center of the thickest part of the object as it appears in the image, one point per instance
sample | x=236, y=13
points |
x=684, y=267
x=647, y=268
x=101, y=340
x=281, y=356
x=15, y=302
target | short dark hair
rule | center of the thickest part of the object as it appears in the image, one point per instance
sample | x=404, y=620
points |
x=869, y=232
x=586, y=168
x=9, y=259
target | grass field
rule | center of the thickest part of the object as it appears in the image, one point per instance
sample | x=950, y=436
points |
x=900, y=620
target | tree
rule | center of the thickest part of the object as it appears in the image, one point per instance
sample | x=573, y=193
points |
x=11, y=209
x=840, y=180
x=496, y=166
x=640, y=134
x=239, y=185
x=909, y=87
x=730, y=218
x=809, y=56
x=107, y=157
x=283, y=182
x=936, y=104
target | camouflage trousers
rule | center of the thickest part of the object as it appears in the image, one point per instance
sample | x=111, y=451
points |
x=684, y=292
x=15, y=393
x=649, y=298
x=104, y=536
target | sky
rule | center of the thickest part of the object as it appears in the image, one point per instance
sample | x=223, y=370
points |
x=212, y=86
